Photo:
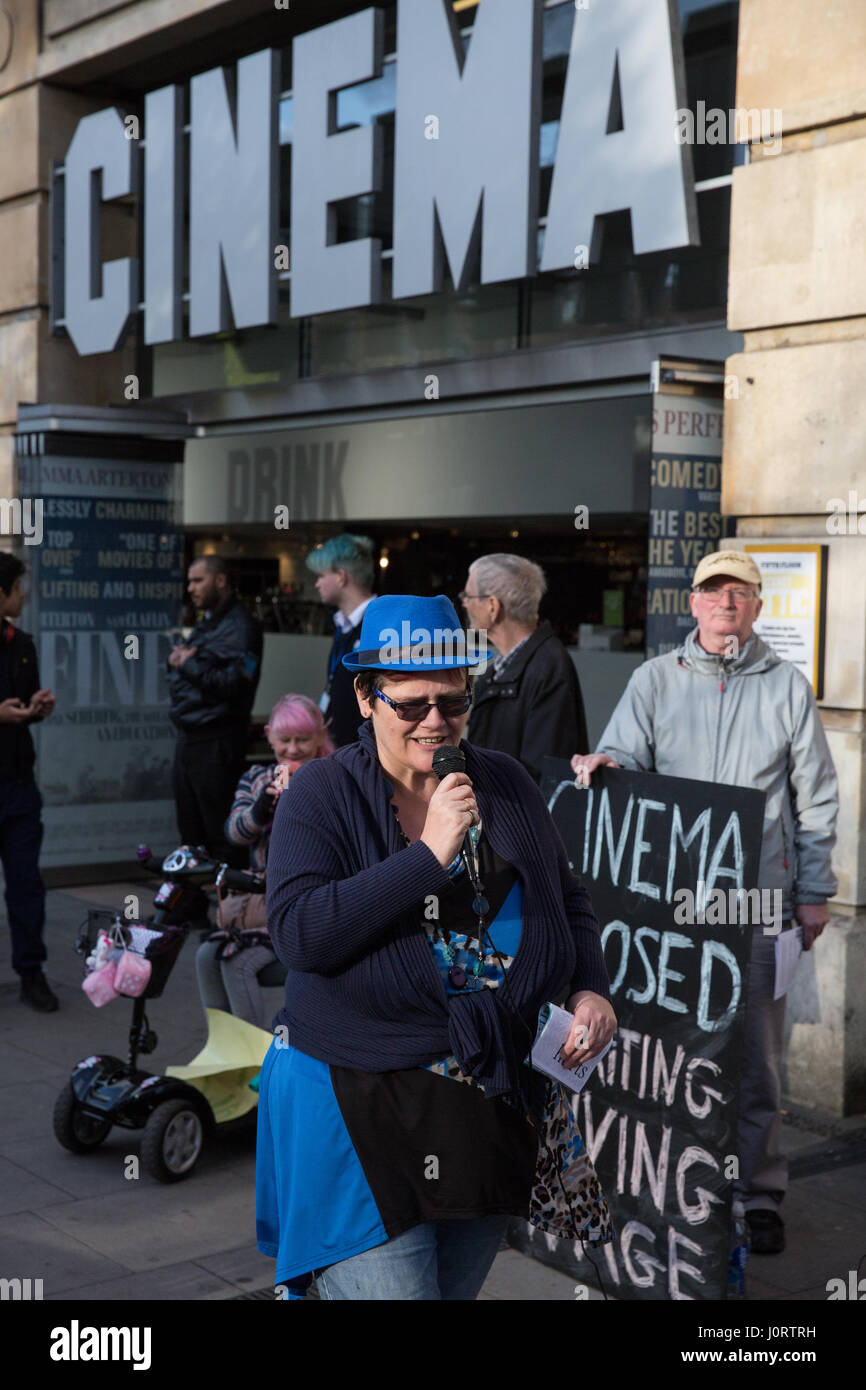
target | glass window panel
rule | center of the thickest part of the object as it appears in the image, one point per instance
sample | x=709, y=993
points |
x=255, y=357
x=710, y=45
x=361, y=104
x=625, y=291
x=287, y=110
x=400, y=332
x=556, y=32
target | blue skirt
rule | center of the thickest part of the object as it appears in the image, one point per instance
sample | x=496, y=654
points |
x=309, y=1213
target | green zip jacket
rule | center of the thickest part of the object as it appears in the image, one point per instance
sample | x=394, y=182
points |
x=744, y=721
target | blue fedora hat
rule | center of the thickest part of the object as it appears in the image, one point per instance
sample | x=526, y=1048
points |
x=402, y=632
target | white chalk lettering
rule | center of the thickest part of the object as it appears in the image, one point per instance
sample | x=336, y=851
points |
x=641, y=847
x=604, y=829
x=695, y=1212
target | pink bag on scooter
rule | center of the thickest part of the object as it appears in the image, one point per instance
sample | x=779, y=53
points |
x=99, y=985
x=131, y=974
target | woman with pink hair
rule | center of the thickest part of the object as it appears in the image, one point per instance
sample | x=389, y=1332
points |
x=228, y=972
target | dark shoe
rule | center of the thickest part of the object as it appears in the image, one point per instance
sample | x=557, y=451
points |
x=36, y=991
x=766, y=1231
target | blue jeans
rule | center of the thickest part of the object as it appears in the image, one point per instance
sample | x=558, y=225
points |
x=438, y=1260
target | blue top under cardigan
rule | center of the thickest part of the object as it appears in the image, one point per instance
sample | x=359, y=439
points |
x=345, y=903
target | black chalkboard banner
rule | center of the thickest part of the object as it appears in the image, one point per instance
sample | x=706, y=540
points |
x=659, y=1115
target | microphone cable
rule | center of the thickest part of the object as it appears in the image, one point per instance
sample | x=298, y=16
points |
x=484, y=934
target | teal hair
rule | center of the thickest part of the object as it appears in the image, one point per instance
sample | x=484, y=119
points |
x=354, y=554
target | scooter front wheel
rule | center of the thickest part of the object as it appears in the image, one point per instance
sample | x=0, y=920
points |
x=172, y=1141
x=73, y=1127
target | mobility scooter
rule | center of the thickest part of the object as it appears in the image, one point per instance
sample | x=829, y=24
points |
x=174, y=1116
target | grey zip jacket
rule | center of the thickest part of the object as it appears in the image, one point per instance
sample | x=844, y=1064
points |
x=747, y=721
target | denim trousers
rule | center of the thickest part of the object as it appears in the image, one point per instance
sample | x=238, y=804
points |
x=435, y=1260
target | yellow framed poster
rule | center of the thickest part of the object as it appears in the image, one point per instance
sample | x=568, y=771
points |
x=794, y=593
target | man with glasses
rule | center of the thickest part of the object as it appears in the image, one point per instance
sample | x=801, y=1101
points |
x=725, y=708
x=528, y=702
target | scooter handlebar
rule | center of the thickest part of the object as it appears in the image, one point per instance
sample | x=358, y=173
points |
x=240, y=879
x=146, y=860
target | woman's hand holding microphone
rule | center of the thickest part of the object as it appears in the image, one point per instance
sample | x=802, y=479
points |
x=451, y=812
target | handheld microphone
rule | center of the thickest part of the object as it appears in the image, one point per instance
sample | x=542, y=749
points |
x=446, y=759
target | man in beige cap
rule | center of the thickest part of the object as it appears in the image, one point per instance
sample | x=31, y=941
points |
x=723, y=707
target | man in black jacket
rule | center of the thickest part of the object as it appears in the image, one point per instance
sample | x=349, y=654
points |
x=212, y=684
x=528, y=702
x=22, y=702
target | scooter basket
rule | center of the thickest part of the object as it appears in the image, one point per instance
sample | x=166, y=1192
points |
x=161, y=949
x=158, y=945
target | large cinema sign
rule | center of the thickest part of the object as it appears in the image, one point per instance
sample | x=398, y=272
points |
x=465, y=168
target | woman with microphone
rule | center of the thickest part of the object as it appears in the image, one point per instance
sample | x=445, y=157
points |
x=423, y=923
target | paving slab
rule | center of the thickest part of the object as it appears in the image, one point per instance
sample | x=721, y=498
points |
x=21, y=1190
x=518, y=1277
x=244, y=1268
x=28, y=1107
x=846, y=1185
x=34, y=1248
x=169, y=1283
x=20, y=1064
x=817, y=1294
x=154, y=1224
x=821, y=1242
x=78, y=1175
x=760, y=1290
x=112, y=895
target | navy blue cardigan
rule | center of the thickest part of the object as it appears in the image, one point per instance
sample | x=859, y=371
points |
x=346, y=916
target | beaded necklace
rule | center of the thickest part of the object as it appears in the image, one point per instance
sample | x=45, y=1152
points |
x=480, y=906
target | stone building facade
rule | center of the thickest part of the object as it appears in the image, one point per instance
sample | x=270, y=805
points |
x=795, y=438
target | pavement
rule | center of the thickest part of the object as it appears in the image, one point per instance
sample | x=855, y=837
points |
x=89, y=1232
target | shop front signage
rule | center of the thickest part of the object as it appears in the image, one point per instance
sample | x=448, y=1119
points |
x=685, y=521
x=105, y=592
x=465, y=175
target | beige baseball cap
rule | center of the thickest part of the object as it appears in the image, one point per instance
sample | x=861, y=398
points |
x=735, y=563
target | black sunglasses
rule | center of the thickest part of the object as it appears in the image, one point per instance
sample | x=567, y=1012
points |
x=413, y=711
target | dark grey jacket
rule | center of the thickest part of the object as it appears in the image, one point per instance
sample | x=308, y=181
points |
x=534, y=708
x=212, y=693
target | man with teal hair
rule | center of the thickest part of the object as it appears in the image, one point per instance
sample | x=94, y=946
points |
x=344, y=566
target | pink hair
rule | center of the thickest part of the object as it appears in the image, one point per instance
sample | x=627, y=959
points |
x=296, y=714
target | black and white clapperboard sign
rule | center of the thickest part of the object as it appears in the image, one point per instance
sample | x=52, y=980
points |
x=659, y=1114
